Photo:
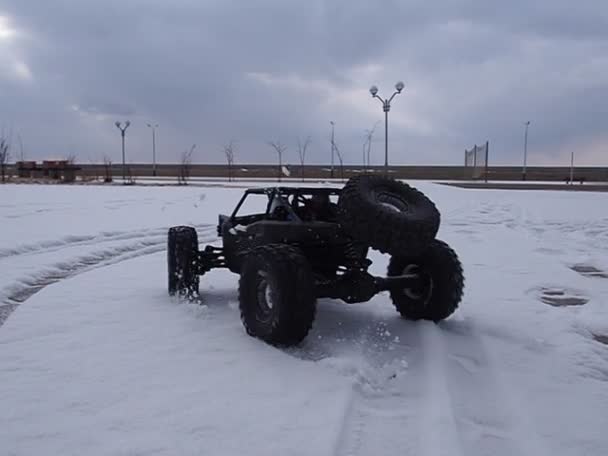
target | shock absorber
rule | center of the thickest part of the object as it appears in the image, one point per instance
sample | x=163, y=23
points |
x=354, y=258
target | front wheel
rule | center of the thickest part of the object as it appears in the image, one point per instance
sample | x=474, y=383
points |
x=441, y=286
x=182, y=261
x=276, y=294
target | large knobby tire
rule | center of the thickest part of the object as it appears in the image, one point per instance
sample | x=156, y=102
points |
x=276, y=294
x=182, y=261
x=441, y=287
x=387, y=214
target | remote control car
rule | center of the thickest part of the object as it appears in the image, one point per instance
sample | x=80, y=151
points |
x=310, y=243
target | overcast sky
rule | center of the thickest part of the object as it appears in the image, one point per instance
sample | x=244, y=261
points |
x=208, y=71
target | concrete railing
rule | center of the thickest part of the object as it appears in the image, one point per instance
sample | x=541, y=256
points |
x=495, y=173
x=590, y=174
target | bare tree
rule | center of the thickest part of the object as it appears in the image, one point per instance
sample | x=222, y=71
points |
x=368, y=144
x=107, y=169
x=93, y=173
x=302, y=146
x=229, y=153
x=5, y=154
x=185, y=165
x=334, y=146
x=130, y=178
x=280, y=149
x=364, y=151
x=68, y=171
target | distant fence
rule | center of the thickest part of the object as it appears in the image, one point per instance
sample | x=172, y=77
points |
x=494, y=173
x=476, y=162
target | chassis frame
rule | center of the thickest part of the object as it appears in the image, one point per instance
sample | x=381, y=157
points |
x=339, y=264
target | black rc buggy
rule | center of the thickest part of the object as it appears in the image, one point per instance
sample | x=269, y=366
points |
x=312, y=243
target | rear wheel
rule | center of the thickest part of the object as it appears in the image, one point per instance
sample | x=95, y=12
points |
x=440, y=289
x=182, y=261
x=276, y=294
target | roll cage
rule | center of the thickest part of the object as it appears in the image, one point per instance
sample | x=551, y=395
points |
x=280, y=197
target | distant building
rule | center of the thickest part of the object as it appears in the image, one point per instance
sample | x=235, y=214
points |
x=62, y=170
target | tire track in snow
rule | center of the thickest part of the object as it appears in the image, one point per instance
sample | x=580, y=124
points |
x=450, y=400
x=381, y=413
x=22, y=289
x=78, y=240
x=491, y=419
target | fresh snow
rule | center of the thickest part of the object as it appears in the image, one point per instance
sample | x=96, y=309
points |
x=95, y=358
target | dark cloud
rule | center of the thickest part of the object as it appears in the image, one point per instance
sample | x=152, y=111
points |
x=211, y=71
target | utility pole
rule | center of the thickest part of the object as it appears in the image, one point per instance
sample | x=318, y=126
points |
x=572, y=168
x=153, y=127
x=527, y=124
x=122, y=134
x=332, y=148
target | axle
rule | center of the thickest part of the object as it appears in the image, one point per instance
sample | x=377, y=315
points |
x=401, y=281
x=360, y=286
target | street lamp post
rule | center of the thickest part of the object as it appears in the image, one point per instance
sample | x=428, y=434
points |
x=572, y=168
x=386, y=107
x=332, y=147
x=527, y=124
x=153, y=127
x=122, y=134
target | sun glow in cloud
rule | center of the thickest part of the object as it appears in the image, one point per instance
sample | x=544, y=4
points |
x=6, y=31
x=12, y=65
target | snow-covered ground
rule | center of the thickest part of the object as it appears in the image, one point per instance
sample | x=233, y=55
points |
x=95, y=358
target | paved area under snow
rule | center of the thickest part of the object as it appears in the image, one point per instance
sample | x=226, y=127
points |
x=95, y=358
